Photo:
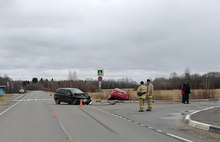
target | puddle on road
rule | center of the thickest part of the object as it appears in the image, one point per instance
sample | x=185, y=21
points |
x=173, y=116
x=190, y=111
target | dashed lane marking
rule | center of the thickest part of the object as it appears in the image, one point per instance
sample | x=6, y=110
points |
x=29, y=100
x=145, y=126
x=13, y=105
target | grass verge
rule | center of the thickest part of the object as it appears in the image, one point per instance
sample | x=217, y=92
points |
x=174, y=95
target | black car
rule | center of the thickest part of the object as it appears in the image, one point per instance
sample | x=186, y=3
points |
x=71, y=96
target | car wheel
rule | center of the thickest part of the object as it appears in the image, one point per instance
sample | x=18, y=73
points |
x=74, y=102
x=57, y=101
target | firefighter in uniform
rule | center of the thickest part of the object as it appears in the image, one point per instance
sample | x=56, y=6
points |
x=149, y=95
x=141, y=92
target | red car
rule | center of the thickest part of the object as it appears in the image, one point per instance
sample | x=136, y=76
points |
x=118, y=94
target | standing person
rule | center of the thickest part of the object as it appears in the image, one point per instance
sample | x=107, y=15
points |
x=187, y=92
x=141, y=92
x=149, y=96
x=183, y=93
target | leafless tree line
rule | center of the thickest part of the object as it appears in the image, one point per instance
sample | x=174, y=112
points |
x=210, y=80
x=207, y=81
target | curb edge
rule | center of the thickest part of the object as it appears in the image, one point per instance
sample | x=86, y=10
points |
x=200, y=125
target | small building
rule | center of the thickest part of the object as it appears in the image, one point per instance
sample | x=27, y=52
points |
x=2, y=90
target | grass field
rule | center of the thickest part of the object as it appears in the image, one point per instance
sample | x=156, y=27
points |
x=173, y=95
x=3, y=98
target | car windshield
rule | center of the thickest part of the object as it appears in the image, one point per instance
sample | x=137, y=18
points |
x=77, y=91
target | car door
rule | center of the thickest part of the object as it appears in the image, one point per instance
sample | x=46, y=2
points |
x=68, y=96
x=62, y=95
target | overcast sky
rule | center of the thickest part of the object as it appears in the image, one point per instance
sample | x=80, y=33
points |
x=136, y=39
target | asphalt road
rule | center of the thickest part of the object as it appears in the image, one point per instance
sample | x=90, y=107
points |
x=211, y=119
x=168, y=118
x=34, y=117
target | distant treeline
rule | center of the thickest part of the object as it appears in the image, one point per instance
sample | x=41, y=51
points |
x=84, y=85
x=207, y=81
x=51, y=85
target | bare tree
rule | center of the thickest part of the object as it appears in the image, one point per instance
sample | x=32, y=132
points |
x=187, y=74
x=72, y=76
x=173, y=75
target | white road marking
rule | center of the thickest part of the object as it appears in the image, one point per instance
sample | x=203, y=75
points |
x=143, y=125
x=65, y=132
x=18, y=97
x=151, y=128
x=159, y=131
x=12, y=106
x=29, y=100
x=177, y=137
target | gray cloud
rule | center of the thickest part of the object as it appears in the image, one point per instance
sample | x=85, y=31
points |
x=148, y=38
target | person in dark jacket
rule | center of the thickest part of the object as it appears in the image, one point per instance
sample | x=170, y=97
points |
x=187, y=92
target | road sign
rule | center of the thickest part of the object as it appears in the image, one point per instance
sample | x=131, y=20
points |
x=99, y=78
x=100, y=72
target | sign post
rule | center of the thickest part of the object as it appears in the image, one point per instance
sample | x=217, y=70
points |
x=8, y=86
x=100, y=74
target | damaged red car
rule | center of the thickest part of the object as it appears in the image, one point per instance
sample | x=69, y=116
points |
x=118, y=94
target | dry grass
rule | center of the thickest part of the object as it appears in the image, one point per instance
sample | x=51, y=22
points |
x=5, y=97
x=217, y=93
x=174, y=95
x=101, y=95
